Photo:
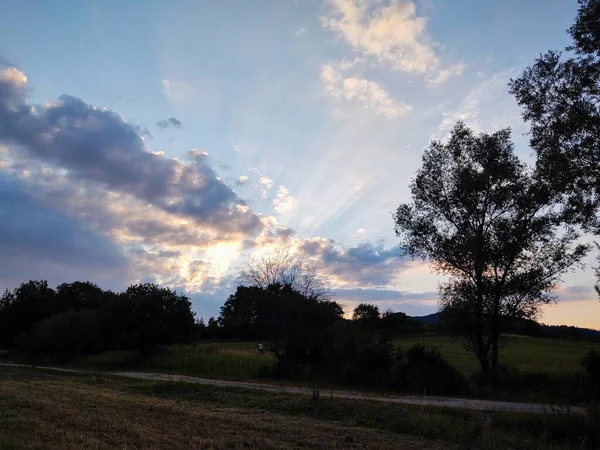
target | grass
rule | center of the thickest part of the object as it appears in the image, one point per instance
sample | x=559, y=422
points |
x=226, y=360
x=524, y=353
x=40, y=410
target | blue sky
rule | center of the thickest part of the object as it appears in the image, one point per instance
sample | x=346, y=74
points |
x=167, y=141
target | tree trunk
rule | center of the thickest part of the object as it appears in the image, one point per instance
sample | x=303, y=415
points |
x=494, y=366
x=484, y=362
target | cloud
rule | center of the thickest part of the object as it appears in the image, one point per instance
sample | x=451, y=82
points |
x=473, y=107
x=284, y=201
x=576, y=293
x=365, y=264
x=363, y=92
x=198, y=154
x=171, y=122
x=38, y=241
x=300, y=32
x=390, y=32
x=267, y=183
x=241, y=180
x=100, y=146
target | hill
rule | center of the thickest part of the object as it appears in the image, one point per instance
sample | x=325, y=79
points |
x=527, y=327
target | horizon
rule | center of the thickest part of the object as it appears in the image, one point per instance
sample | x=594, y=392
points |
x=167, y=142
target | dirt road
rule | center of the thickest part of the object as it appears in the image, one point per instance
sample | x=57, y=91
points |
x=481, y=405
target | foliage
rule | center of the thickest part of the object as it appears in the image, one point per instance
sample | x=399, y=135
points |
x=158, y=317
x=560, y=94
x=366, y=312
x=22, y=308
x=80, y=318
x=480, y=217
x=423, y=369
x=64, y=335
x=360, y=357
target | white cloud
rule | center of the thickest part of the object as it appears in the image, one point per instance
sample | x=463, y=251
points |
x=197, y=154
x=13, y=76
x=300, y=32
x=391, y=32
x=364, y=92
x=486, y=107
x=284, y=201
x=242, y=179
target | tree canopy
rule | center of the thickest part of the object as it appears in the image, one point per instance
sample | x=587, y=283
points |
x=482, y=218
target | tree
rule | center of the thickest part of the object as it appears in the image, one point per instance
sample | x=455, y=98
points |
x=22, y=308
x=158, y=317
x=285, y=268
x=78, y=295
x=560, y=94
x=366, y=312
x=480, y=217
x=256, y=312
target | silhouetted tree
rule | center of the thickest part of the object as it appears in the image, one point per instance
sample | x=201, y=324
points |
x=287, y=269
x=366, y=312
x=479, y=216
x=257, y=312
x=560, y=94
x=158, y=317
x=77, y=295
x=22, y=308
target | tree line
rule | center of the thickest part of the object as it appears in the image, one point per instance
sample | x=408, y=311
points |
x=80, y=318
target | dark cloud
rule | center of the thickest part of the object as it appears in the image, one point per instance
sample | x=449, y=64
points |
x=171, y=122
x=577, y=293
x=366, y=264
x=96, y=144
x=37, y=241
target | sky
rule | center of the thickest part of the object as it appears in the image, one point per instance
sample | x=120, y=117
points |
x=168, y=141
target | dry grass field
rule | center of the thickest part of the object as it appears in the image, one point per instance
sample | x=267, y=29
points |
x=42, y=410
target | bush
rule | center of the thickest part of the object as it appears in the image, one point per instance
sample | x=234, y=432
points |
x=64, y=336
x=591, y=364
x=424, y=370
x=511, y=383
x=360, y=358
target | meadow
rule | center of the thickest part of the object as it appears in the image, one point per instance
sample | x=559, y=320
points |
x=243, y=361
x=41, y=410
x=523, y=353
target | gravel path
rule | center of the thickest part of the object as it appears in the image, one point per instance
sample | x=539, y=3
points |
x=481, y=405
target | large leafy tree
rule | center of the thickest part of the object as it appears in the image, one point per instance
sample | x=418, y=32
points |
x=366, y=312
x=158, y=317
x=560, y=95
x=21, y=308
x=480, y=217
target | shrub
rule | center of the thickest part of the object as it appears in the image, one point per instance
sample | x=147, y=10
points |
x=423, y=369
x=64, y=336
x=591, y=364
x=360, y=358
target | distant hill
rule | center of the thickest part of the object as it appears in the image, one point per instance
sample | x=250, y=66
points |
x=431, y=319
x=533, y=328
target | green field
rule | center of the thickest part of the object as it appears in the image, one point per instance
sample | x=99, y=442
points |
x=224, y=360
x=42, y=410
x=526, y=354
x=241, y=360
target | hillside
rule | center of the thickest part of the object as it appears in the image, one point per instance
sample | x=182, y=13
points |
x=533, y=328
